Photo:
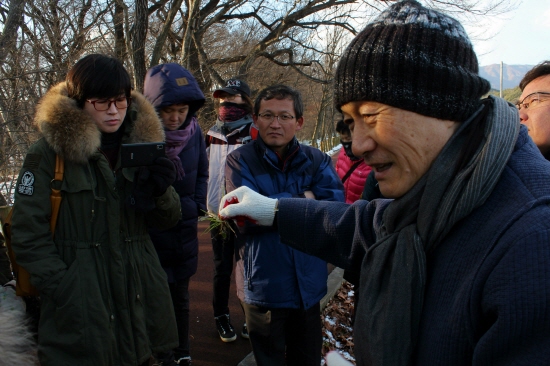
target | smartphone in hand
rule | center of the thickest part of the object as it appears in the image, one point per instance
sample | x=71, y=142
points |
x=140, y=154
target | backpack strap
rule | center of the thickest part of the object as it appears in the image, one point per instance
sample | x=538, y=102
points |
x=55, y=196
x=353, y=167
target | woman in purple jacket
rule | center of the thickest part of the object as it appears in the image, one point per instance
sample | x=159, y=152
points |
x=175, y=94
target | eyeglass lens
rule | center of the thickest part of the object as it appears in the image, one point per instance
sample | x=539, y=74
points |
x=268, y=117
x=533, y=97
x=105, y=104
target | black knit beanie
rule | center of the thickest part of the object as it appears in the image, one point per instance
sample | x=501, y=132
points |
x=415, y=59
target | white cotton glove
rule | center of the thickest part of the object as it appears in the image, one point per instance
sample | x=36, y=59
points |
x=333, y=358
x=245, y=203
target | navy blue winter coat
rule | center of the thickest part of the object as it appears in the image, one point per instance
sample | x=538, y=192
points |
x=488, y=282
x=177, y=247
x=268, y=273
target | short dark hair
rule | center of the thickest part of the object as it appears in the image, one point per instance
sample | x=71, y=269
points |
x=342, y=128
x=541, y=69
x=280, y=91
x=97, y=76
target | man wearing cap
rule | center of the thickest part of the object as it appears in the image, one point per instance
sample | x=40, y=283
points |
x=457, y=265
x=534, y=105
x=234, y=127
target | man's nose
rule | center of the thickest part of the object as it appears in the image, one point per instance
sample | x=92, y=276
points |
x=362, y=141
x=275, y=123
x=523, y=115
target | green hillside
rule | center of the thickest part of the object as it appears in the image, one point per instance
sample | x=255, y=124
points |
x=511, y=95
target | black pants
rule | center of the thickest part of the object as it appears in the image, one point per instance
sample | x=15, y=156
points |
x=179, y=292
x=180, y=299
x=224, y=252
x=285, y=336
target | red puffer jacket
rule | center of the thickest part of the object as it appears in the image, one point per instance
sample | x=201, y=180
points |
x=353, y=186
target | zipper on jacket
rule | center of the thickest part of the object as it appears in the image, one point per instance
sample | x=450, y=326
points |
x=249, y=269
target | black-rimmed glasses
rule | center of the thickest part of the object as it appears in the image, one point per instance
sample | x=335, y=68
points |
x=101, y=105
x=532, y=100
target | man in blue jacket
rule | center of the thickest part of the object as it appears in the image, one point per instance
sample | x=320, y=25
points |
x=280, y=287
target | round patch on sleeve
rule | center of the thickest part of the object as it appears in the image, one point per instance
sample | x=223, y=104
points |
x=27, y=184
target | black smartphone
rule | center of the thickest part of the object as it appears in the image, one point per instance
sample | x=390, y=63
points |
x=141, y=154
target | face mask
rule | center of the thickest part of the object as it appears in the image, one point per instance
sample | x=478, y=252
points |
x=347, y=150
x=229, y=112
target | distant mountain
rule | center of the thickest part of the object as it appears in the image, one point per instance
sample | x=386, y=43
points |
x=512, y=74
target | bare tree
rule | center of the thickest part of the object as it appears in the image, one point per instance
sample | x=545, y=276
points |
x=261, y=41
x=11, y=27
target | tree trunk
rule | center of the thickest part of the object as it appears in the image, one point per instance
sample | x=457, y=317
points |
x=8, y=39
x=161, y=39
x=188, y=34
x=138, y=44
x=13, y=22
x=118, y=20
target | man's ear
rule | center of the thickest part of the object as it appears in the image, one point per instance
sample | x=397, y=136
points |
x=255, y=119
x=299, y=123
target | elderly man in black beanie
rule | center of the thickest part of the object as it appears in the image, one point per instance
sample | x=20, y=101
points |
x=457, y=265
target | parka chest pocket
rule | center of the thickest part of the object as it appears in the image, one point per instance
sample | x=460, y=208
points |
x=79, y=195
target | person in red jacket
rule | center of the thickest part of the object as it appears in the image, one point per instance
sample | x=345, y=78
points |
x=351, y=169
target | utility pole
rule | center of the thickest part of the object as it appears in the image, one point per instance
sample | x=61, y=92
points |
x=501, y=67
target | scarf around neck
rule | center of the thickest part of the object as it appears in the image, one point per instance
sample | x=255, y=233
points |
x=227, y=127
x=393, y=274
x=176, y=141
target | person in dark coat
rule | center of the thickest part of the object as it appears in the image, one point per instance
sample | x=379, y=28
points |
x=104, y=296
x=177, y=97
x=456, y=270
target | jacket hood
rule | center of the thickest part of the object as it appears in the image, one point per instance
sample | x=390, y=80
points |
x=169, y=84
x=72, y=133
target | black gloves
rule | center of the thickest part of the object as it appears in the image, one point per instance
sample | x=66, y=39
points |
x=162, y=174
x=151, y=181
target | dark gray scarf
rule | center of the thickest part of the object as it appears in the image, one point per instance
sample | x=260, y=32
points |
x=394, y=275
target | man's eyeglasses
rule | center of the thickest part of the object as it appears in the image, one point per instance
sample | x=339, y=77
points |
x=532, y=100
x=101, y=105
x=282, y=118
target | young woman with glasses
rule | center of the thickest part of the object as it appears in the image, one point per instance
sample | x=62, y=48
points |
x=105, y=299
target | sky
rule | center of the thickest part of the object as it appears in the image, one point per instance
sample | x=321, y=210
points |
x=522, y=36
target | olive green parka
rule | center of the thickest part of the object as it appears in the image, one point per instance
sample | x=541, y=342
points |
x=105, y=297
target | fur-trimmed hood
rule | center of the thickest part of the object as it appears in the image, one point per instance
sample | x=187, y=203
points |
x=72, y=133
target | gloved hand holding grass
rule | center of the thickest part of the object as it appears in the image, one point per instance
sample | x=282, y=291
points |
x=245, y=203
